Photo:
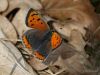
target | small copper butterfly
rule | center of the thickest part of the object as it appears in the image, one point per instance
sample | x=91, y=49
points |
x=40, y=39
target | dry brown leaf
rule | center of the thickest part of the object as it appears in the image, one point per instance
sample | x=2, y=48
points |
x=80, y=11
x=62, y=8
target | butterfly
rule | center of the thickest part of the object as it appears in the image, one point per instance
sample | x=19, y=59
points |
x=40, y=39
x=35, y=20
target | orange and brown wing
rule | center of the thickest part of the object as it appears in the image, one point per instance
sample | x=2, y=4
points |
x=34, y=20
x=25, y=41
x=55, y=40
x=38, y=55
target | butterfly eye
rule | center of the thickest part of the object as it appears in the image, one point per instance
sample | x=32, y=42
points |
x=34, y=20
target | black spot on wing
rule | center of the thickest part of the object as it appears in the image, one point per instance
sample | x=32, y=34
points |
x=38, y=19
